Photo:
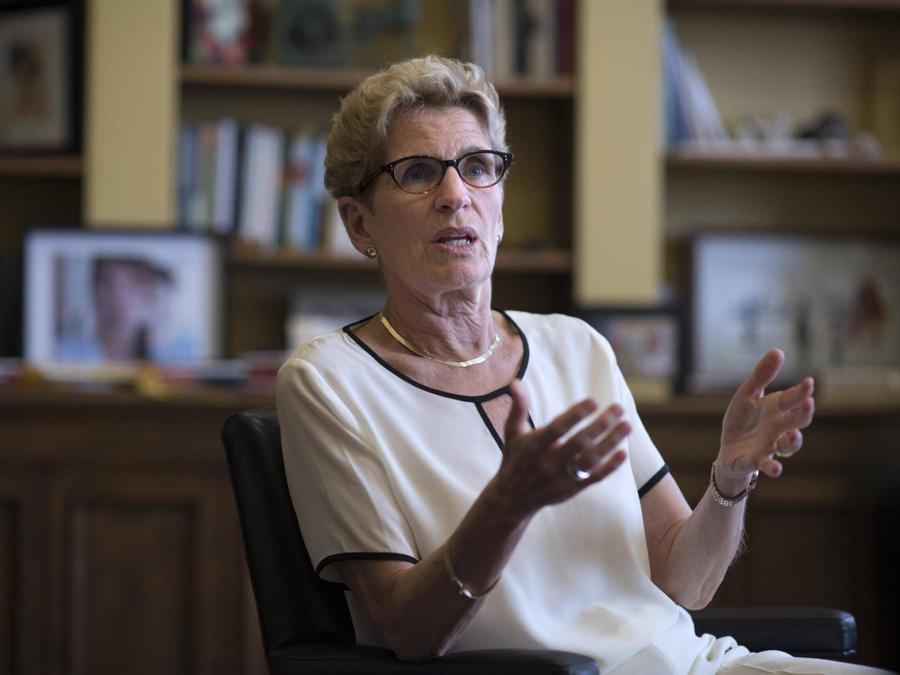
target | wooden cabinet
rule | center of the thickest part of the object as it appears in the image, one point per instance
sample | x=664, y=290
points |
x=119, y=538
x=120, y=549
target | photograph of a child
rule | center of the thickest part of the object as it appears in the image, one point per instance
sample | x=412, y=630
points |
x=116, y=298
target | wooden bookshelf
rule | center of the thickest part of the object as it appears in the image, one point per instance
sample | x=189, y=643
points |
x=248, y=257
x=277, y=78
x=762, y=163
x=41, y=166
x=791, y=5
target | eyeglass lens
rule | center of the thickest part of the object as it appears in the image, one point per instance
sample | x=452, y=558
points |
x=422, y=174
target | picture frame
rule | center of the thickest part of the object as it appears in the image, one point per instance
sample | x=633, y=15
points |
x=831, y=303
x=40, y=76
x=102, y=297
x=648, y=343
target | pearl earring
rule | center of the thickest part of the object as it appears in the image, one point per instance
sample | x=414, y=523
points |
x=371, y=252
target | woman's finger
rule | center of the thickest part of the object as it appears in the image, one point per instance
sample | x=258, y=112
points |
x=793, y=397
x=586, y=437
x=517, y=421
x=563, y=423
x=770, y=467
x=589, y=458
x=801, y=417
x=603, y=469
x=763, y=374
x=787, y=444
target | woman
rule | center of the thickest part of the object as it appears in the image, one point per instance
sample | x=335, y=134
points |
x=481, y=479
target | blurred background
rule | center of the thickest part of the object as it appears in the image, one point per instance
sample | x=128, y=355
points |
x=699, y=179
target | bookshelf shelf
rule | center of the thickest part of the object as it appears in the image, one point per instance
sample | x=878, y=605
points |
x=791, y=5
x=248, y=257
x=41, y=166
x=275, y=78
x=762, y=163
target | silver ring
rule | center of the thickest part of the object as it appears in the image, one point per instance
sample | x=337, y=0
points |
x=576, y=471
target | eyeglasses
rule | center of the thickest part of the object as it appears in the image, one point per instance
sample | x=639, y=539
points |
x=419, y=174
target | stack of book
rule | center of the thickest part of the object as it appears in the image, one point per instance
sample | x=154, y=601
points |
x=691, y=117
x=259, y=184
x=522, y=38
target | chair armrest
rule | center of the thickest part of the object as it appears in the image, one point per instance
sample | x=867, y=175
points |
x=331, y=658
x=800, y=631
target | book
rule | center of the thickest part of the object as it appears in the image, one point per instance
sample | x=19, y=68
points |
x=224, y=178
x=262, y=170
x=304, y=192
x=481, y=27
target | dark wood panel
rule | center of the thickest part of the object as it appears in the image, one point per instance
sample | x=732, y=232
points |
x=23, y=566
x=145, y=563
x=820, y=533
x=130, y=577
x=9, y=582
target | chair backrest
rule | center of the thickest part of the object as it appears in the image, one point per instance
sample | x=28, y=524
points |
x=294, y=605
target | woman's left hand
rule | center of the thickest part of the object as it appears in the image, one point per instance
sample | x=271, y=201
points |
x=759, y=426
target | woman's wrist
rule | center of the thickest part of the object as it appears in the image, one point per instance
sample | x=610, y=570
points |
x=730, y=484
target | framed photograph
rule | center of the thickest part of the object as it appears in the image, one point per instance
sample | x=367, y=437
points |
x=40, y=72
x=648, y=346
x=113, y=297
x=829, y=302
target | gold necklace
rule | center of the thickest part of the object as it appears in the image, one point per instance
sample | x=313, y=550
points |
x=425, y=355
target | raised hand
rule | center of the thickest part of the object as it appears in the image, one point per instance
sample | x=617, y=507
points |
x=758, y=427
x=553, y=463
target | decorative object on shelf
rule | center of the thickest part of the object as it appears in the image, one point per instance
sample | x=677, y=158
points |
x=326, y=33
x=310, y=33
x=829, y=302
x=221, y=32
x=648, y=343
x=99, y=297
x=40, y=76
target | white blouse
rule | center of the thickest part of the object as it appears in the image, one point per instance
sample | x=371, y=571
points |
x=382, y=467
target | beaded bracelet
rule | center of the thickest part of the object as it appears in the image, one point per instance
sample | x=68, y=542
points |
x=721, y=499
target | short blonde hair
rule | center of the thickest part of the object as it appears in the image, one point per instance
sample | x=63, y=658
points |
x=359, y=130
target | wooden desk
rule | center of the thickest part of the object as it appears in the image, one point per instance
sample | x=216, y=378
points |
x=120, y=550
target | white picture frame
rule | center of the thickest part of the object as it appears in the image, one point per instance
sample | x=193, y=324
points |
x=101, y=297
x=829, y=302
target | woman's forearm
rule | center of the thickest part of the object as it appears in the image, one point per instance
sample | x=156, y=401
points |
x=699, y=549
x=423, y=612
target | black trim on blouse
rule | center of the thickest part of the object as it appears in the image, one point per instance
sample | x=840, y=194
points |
x=658, y=476
x=487, y=422
x=459, y=397
x=362, y=555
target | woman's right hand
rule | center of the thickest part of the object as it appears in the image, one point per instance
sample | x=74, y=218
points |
x=539, y=465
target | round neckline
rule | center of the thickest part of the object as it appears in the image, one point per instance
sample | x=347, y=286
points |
x=439, y=392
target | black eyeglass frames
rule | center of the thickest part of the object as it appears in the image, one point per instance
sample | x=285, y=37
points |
x=419, y=174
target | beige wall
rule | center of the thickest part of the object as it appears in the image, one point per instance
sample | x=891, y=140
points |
x=132, y=52
x=617, y=169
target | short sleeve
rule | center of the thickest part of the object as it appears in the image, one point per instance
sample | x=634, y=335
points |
x=341, y=493
x=647, y=463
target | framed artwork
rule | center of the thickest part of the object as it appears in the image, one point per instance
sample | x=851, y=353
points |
x=647, y=343
x=320, y=310
x=40, y=76
x=829, y=302
x=95, y=297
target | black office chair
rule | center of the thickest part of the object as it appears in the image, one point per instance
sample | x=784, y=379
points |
x=306, y=626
